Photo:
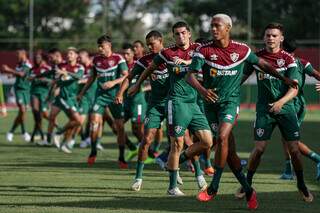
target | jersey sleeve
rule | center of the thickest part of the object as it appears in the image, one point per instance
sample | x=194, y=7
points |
x=197, y=62
x=252, y=58
x=122, y=66
x=308, y=69
x=159, y=59
x=138, y=69
x=294, y=74
x=248, y=69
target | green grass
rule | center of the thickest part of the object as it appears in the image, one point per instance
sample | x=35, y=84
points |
x=36, y=179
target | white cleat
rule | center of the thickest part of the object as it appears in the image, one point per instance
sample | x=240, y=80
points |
x=179, y=179
x=43, y=143
x=26, y=137
x=175, y=192
x=202, y=184
x=240, y=194
x=56, y=140
x=136, y=186
x=71, y=143
x=84, y=144
x=65, y=149
x=100, y=147
x=9, y=137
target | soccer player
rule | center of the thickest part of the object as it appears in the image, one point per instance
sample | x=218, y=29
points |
x=139, y=49
x=222, y=61
x=39, y=92
x=275, y=106
x=22, y=92
x=110, y=69
x=305, y=68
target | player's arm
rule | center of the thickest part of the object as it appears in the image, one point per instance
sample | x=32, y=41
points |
x=90, y=81
x=8, y=70
x=247, y=71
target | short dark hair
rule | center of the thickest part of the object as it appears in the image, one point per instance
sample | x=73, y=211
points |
x=53, y=50
x=154, y=33
x=289, y=45
x=180, y=24
x=201, y=40
x=104, y=38
x=275, y=25
x=127, y=45
x=140, y=42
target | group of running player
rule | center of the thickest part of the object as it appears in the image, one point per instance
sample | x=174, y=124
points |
x=195, y=87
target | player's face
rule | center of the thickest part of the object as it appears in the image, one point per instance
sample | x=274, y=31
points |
x=105, y=48
x=72, y=56
x=84, y=57
x=138, y=49
x=38, y=59
x=128, y=55
x=21, y=55
x=181, y=36
x=219, y=30
x=55, y=58
x=154, y=44
x=273, y=38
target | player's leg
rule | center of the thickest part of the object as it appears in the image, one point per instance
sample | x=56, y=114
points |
x=35, y=105
x=55, y=110
x=95, y=125
x=312, y=155
x=287, y=172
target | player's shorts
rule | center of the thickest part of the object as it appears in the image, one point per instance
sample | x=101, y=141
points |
x=217, y=113
x=182, y=116
x=200, y=102
x=85, y=106
x=66, y=104
x=266, y=122
x=300, y=108
x=41, y=96
x=22, y=97
x=156, y=113
x=135, y=108
x=102, y=102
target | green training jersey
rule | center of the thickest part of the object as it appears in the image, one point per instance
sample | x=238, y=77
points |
x=22, y=83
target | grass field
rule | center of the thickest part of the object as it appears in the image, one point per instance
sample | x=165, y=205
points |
x=36, y=179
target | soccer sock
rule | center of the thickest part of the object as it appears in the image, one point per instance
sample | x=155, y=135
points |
x=121, y=153
x=183, y=157
x=130, y=145
x=214, y=185
x=93, y=148
x=22, y=128
x=139, y=169
x=250, y=176
x=314, y=156
x=173, y=175
x=83, y=135
x=207, y=163
x=156, y=146
x=288, y=167
x=197, y=168
x=243, y=181
x=300, y=183
x=49, y=135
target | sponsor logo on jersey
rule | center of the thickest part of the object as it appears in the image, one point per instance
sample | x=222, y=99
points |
x=260, y=132
x=234, y=57
x=281, y=62
x=213, y=72
x=177, y=129
x=213, y=57
x=96, y=107
x=176, y=70
x=229, y=117
x=214, y=127
x=146, y=120
x=296, y=134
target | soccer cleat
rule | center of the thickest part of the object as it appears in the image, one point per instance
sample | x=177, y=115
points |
x=318, y=172
x=65, y=149
x=149, y=160
x=123, y=164
x=100, y=147
x=179, y=179
x=131, y=154
x=84, y=144
x=202, y=184
x=9, y=137
x=240, y=194
x=209, y=171
x=70, y=144
x=91, y=160
x=203, y=196
x=286, y=176
x=136, y=186
x=26, y=137
x=306, y=199
x=56, y=140
x=175, y=192
x=252, y=202
x=161, y=163
x=43, y=143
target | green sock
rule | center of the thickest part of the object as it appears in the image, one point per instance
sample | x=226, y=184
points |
x=183, y=157
x=243, y=181
x=173, y=174
x=314, y=156
x=288, y=167
x=197, y=168
x=156, y=146
x=214, y=185
x=207, y=163
x=139, y=169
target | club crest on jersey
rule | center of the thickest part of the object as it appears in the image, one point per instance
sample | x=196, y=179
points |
x=111, y=63
x=98, y=64
x=234, y=57
x=281, y=62
x=177, y=129
x=260, y=132
x=214, y=127
x=146, y=120
x=213, y=57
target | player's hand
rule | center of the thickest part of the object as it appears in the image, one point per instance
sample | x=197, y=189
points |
x=276, y=107
x=318, y=87
x=210, y=95
x=133, y=90
x=118, y=99
x=5, y=68
x=178, y=61
x=291, y=83
x=108, y=85
x=61, y=72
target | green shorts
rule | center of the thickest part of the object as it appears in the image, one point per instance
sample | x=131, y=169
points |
x=221, y=112
x=266, y=122
x=300, y=107
x=135, y=108
x=85, y=106
x=102, y=102
x=182, y=116
x=22, y=97
x=66, y=104
x=200, y=102
x=44, y=106
x=155, y=115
